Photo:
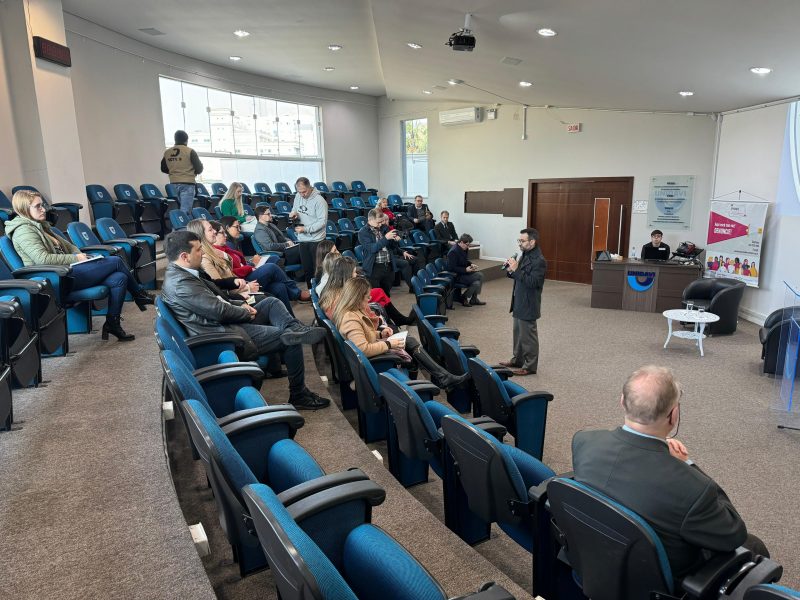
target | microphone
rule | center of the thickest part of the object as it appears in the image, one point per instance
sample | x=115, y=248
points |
x=504, y=266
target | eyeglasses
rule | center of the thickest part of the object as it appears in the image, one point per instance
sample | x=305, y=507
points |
x=237, y=226
x=678, y=423
x=38, y=206
x=521, y=241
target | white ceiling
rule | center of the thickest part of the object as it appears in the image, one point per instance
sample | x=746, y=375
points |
x=625, y=54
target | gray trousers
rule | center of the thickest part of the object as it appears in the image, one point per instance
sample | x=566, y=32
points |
x=526, y=345
x=185, y=193
x=474, y=282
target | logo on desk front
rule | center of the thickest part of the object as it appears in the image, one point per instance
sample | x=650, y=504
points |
x=641, y=281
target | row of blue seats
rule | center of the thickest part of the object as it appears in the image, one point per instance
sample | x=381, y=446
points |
x=277, y=506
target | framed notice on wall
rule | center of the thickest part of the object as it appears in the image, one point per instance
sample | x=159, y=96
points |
x=670, y=205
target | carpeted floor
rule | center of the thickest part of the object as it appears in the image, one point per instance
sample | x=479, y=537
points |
x=87, y=506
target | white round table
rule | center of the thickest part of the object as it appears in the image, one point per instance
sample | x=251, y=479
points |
x=700, y=320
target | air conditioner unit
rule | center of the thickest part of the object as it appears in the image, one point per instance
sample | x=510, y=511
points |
x=460, y=116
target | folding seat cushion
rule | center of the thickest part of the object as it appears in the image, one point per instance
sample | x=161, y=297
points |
x=146, y=215
x=139, y=248
x=21, y=348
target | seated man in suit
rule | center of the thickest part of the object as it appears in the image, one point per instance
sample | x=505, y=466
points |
x=272, y=239
x=445, y=231
x=420, y=214
x=640, y=466
x=459, y=263
x=200, y=306
x=655, y=250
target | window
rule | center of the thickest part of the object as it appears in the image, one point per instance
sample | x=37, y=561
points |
x=415, y=157
x=241, y=137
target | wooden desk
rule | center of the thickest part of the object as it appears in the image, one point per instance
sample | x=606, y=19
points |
x=640, y=285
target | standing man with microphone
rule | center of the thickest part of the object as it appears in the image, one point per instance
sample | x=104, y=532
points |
x=527, y=268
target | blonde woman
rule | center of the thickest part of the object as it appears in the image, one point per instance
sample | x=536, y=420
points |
x=357, y=323
x=217, y=264
x=231, y=206
x=37, y=244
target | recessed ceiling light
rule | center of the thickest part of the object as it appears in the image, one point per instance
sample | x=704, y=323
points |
x=414, y=45
x=235, y=58
x=547, y=32
x=525, y=84
x=686, y=93
x=334, y=47
x=241, y=33
x=761, y=70
x=428, y=92
x=328, y=68
x=353, y=87
x=455, y=81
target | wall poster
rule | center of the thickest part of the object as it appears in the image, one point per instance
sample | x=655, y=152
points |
x=670, y=205
x=735, y=234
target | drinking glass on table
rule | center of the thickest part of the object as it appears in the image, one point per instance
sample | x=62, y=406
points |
x=690, y=306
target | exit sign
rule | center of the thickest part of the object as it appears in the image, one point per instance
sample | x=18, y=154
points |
x=573, y=128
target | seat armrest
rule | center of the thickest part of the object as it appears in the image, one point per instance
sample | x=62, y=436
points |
x=385, y=361
x=215, y=338
x=309, y=488
x=112, y=250
x=29, y=285
x=367, y=490
x=760, y=570
x=129, y=241
x=449, y=332
x=709, y=576
x=488, y=591
x=146, y=236
x=522, y=398
x=434, y=289
x=470, y=350
x=490, y=426
x=503, y=372
x=436, y=319
x=441, y=281
x=289, y=417
x=424, y=386
x=250, y=412
x=60, y=270
x=223, y=371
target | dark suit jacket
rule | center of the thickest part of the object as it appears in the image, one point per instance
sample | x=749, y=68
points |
x=687, y=509
x=446, y=232
x=370, y=246
x=526, y=300
x=457, y=262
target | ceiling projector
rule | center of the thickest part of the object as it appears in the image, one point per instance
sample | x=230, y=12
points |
x=463, y=40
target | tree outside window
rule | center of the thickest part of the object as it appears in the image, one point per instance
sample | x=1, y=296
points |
x=415, y=157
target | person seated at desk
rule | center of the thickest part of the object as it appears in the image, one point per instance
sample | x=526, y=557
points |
x=655, y=250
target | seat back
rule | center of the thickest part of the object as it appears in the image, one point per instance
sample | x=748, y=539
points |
x=358, y=186
x=357, y=202
x=198, y=212
x=5, y=202
x=359, y=252
x=109, y=229
x=150, y=190
x=339, y=186
x=771, y=592
x=283, y=207
x=487, y=472
x=368, y=387
x=431, y=340
x=322, y=186
x=9, y=253
x=262, y=188
x=125, y=192
x=338, y=203
x=419, y=237
x=219, y=189
x=493, y=397
x=283, y=188
x=417, y=434
x=100, y=200
x=360, y=222
x=168, y=338
x=615, y=553
x=339, y=364
x=372, y=201
x=394, y=201
x=82, y=235
x=179, y=219
x=346, y=224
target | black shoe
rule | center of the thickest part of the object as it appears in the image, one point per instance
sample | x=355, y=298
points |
x=449, y=381
x=308, y=400
x=466, y=303
x=114, y=327
x=142, y=299
x=476, y=302
x=297, y=333
x=280, y=373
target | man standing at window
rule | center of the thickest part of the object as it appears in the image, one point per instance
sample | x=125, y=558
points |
x=182, y=165
x=311, y=209
x=527, y=270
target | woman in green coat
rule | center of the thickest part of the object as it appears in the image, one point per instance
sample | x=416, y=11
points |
x=231, y=206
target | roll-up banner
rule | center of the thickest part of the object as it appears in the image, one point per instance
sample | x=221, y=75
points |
x=735, y=233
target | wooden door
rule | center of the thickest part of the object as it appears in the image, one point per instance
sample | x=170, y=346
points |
x=563, y=212
x=602, y=212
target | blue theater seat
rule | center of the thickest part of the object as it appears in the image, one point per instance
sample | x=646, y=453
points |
x=60, y=214
x=151, y=193
x=139, y=248
x=524, y=413
x=334, y=347
x=430, y=303
x=78, y=302
x=21, y=348
x=360, y=222
x=201, y=213
x=771, y=592
x=179, y=219
x=85, y=239
x=395, y=202
x=148, y=215
x=6, y=208
x=104, y=206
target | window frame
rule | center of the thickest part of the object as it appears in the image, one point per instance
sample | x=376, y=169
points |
x=404, y=156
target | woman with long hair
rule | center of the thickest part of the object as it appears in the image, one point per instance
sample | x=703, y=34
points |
x=37, y=244
x=271, y=278
x=353, y=318
x=342, y=270
x=324, y=248
x=231, y=206
x=216, y=264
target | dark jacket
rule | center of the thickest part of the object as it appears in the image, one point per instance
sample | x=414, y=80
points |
x=270, y=237
x=371, y=245
x=446, y=232
x=685, y=507
x=526, y=300
x=457, y=262
x=650, y=252
x=196, y=304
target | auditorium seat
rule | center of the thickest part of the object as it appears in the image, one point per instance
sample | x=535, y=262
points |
x=423, y=240
x=60, y=214
x=151, y=193
x=334, y=345
x=496, y=478
x=20, y=349
x=179, y=219
x=104, y=207
x=283, y=189
x=6, y=209
x=437, y=285
x=341, y=209
x=720, y=296
x=148, y=216
x=42, y=311
x=771, y=592
x=774, y=335
x=6, y=395
x=78, y=303
x=324, y=190
x=616, y=554
x=202, y=199
x=358, y=561
x=341, y=189
x=360, y=222
x=358, y=206
x=524, y=413
x=357, y=186
x=395, y=202
x=201, y=213
x=266, y=192
x=430, y=303
x=140, y=249
x=342, y=239
x=85, y=239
